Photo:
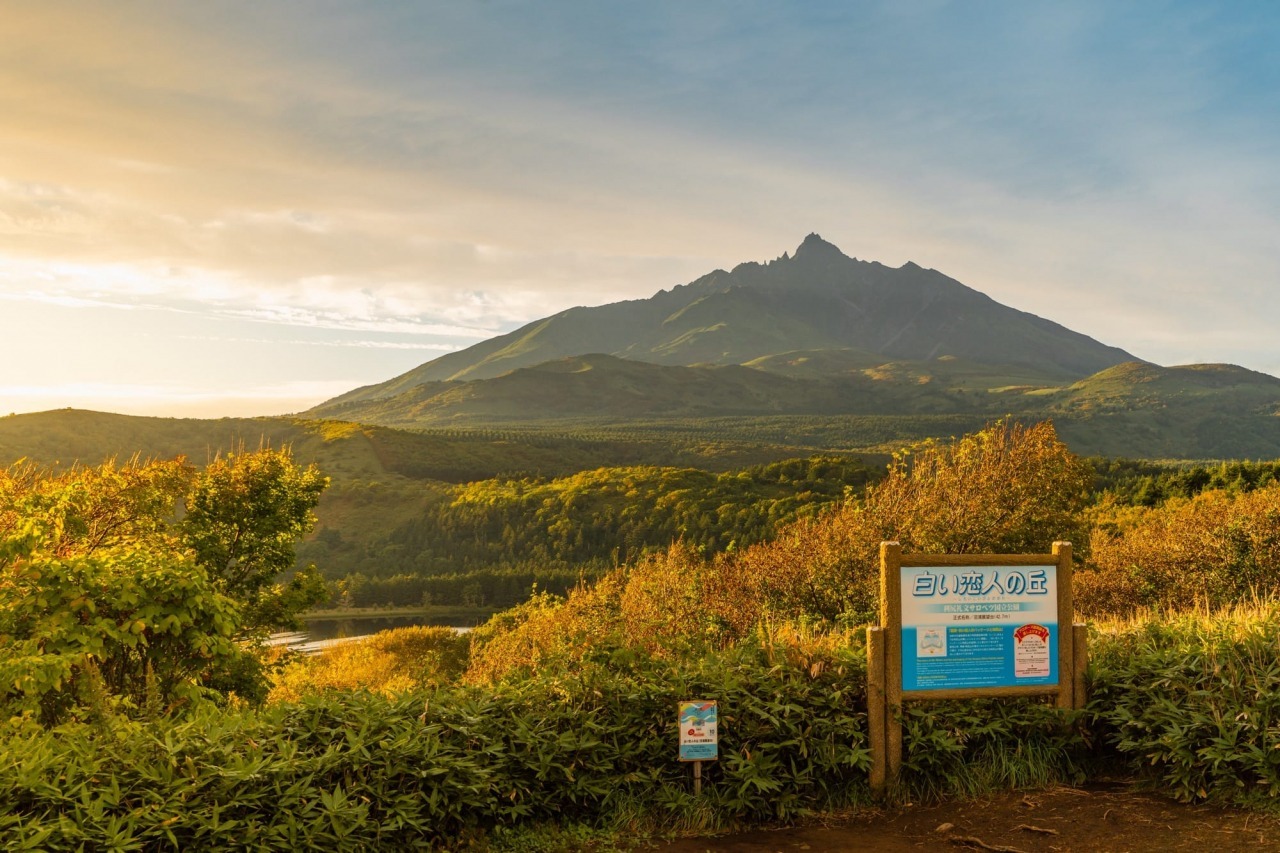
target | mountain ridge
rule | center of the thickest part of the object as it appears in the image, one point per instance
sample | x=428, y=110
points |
x=819, y=298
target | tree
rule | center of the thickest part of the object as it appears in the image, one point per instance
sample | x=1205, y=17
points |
x=88, y=509
x=106, y=588
x=100, y=602
x=245, y=513
x=148, y=629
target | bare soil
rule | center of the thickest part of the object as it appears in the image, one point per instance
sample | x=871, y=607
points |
x=1097, y=819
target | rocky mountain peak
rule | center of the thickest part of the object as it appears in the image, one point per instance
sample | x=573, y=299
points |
x=815, y=248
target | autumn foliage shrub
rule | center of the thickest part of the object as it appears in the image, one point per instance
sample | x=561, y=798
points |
x=1009, y=488
x=1215, y=550
x=389, y=662
x=547, y=630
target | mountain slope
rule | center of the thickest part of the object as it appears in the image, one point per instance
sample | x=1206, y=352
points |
x=1135, y=409
x=1143, y=411
x=820, y=299
x=603, y=388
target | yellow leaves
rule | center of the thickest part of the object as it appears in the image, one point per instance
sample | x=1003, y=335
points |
x=1214, y=549
x=389, y=662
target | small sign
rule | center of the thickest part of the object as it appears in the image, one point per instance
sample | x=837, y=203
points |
x=699, y=735
x=1031, y=652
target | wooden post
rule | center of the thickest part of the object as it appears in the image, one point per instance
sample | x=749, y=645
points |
x=1066, y=630
x=1080, y=634
x=891, y=620
x=697, y=778
x=876, y=707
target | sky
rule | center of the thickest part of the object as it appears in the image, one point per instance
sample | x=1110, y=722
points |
x=245, y=208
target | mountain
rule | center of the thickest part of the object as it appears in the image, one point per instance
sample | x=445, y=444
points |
x=818, y=300
x=1135, y=409
x=1144, y=411
x=826, y=350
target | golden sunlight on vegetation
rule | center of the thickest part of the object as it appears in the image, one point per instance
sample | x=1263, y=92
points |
x=389, y=662
x=117, y=621
x=1008, y=488
x=1213, y=550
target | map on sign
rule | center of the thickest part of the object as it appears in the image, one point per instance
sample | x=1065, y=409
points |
x=979, y=626
x=699, y=738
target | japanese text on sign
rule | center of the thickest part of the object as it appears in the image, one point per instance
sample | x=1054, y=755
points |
x=978, y=626
x=699, y=736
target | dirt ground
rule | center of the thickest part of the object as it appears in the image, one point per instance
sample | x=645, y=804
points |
x=1097, y=819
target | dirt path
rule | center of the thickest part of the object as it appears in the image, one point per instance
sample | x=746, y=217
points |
x=1094, y=819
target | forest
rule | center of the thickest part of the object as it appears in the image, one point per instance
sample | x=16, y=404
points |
x=487, y=542
x=490, y=541
x=133, y=598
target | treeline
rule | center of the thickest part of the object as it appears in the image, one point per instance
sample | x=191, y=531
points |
x=618, y=514
x=495, y=587
x=488, y=542
x=1142, y=483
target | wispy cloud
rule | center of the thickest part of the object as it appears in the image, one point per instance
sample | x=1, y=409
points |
x=327, y=342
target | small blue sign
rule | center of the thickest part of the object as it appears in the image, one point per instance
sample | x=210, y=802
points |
x=699, y=730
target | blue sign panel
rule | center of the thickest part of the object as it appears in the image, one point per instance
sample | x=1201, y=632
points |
x=979, y=626
x=699, y=735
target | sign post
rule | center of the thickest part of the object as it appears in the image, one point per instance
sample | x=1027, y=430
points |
x=699, y=735
x=961, y=626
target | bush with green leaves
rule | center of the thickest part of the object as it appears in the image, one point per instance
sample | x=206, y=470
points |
x=594, y=744
x=110, y=594
x=1192, y=703
x=142, y=628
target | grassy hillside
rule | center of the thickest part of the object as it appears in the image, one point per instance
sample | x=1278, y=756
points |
x=844, y=399
x=1207, y=411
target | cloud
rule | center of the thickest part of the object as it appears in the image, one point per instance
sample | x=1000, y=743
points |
x=447, y=171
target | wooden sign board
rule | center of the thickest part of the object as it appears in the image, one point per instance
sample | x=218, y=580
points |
x=961, y=626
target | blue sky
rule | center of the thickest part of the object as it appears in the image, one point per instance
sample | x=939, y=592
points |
x=245, y=208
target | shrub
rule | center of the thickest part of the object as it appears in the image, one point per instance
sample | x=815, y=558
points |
x=389, y=662
x=1192, y=703
x=144, y=628
x=1213, y=550
x=1008, y=488
x=546, y=628
x=346, y=771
